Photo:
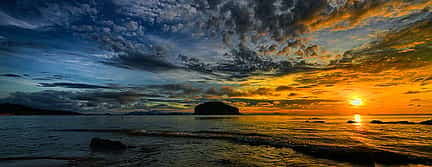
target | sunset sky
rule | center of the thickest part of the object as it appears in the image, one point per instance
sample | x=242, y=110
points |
x=263, y=56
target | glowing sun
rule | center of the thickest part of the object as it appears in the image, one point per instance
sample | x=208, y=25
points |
x=356, y=102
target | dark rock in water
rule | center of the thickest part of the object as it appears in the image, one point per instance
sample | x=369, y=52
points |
x=216, y=108
x=98, y=144
x=376, y=122
x=401, y=122
x=396, y=122
x=428, y=122
x=316, y=121
x=351, y=122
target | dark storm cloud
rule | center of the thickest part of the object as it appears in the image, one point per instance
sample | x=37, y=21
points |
x=49, y=78
x=118, y=25
x=134, y=29
x=225, y=91
x=144, y=35
x=232, y=91
x=246, y=61
x=57, y=100
x=283, y=21
x=279, y=21
x=199, y=90
x=110, y=97
x=243, y=63
x=90, y=101
x=140, y=62
x=74, y=85
x=177, y=89
x=262, y=16
x=403, y=48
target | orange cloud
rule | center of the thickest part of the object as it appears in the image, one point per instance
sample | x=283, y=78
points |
x=355, y=13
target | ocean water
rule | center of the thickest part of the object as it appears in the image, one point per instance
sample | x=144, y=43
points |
x=246, y=140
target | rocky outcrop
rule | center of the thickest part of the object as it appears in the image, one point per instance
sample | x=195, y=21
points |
x=216, y=108
x=395, y=122
x=428, y=122
x=315, y=121
x=98, y=144
x=376, y=122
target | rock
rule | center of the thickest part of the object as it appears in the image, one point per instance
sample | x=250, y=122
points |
x=351, y=122
x=316, y=121
x=396, y=122
x=401, y=122
x=428, y=122
x=98, y=144
x=215, y=108
x=376, y=122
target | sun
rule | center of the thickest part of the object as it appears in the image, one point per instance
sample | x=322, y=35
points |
x=356, y=102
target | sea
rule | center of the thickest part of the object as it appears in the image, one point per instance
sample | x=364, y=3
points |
x=190, y=140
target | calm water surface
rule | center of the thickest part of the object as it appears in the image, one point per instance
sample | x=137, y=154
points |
x=215, y=141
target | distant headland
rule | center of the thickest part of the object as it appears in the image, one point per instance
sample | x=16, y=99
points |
x=17, y=109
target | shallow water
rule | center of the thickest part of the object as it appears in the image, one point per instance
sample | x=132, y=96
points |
x=216, y=141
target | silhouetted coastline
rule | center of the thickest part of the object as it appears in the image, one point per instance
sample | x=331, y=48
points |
x=17, y=109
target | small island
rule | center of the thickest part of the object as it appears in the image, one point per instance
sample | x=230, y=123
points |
x=138, y=113
x=216, y=108
x=17, y=109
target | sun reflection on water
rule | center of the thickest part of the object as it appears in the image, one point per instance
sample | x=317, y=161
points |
x=357, y=118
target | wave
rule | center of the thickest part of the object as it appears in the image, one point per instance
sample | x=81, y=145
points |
x=363, y=155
